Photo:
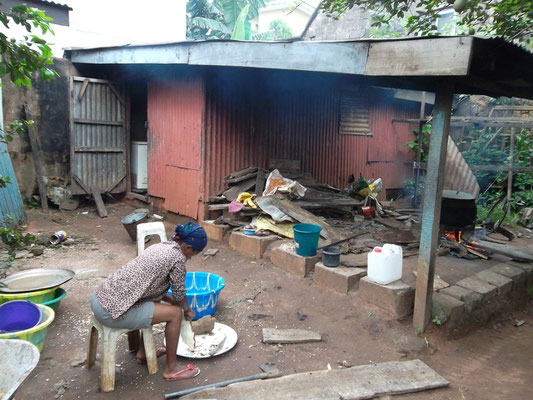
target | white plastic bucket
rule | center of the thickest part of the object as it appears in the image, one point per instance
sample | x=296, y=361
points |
x=385, y=264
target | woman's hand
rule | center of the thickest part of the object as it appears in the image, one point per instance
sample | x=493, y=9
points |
x=169, y=299
x=189, y=314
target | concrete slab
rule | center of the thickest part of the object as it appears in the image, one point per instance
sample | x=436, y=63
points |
x=361, y=382
x=471, y=299
x=447, y=308
x=286, y=336
x=285, y=257
x=486, y=290
x=339, y=279
x=248, y=245
x=354, y=260
x=213, y=231
x=396, y=298
x=503, y=284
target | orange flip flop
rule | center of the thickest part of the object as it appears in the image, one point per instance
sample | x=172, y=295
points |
x=187, y=373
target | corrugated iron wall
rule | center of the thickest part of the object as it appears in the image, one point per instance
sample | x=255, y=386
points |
x=252, y=117
x=176, y=106
x=98, y=138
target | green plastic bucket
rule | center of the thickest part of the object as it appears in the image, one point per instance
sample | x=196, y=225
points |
x=306, y=238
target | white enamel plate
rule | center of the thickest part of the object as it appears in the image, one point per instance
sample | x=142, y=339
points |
x=220, y=340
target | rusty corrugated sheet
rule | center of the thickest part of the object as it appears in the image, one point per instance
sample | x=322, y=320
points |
x=175, y=115
x=458, y=174
x=98, y=138
x=289, y=122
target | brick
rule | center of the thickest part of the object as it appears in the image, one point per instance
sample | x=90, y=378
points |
x=503, y=284
x=285, y=257
x=396, y=298
x=509, y=271
x=528, y=269
x=471, y=299
x=249, y=245
x=214, y=231
x=447, y=308
x=518, y=276
x=486, y=290
x=339, y=279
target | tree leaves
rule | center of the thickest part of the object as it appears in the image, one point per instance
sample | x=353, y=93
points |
x=217, y=19
x=510, y=19
x=21, y=58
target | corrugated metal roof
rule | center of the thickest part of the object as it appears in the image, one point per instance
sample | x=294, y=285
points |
x=54, y=4
x=477, y=66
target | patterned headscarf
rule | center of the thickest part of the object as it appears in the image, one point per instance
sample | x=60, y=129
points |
x=192, y=234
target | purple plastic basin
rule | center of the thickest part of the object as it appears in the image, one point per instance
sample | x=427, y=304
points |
x=18, y=315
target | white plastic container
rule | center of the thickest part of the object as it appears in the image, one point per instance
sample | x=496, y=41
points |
x=385, y=264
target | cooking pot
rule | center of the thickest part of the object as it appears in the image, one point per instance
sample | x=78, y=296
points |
x=458, y=209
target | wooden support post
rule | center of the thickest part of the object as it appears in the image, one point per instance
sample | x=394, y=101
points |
x=434, y=182
x=510, y=176
x=420, y=135
x=36, y=160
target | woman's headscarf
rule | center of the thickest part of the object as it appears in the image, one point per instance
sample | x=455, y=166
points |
x=192, y=234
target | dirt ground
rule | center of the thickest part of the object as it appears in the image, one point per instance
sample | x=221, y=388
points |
x=494, y=362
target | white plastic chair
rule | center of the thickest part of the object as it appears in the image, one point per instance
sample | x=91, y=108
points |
x=149, y=228
x=109, y=344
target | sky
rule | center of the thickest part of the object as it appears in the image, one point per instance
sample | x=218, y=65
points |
x=98, y=23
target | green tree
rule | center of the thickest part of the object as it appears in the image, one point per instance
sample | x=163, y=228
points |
x=510, y=19
x=280, y=29
x=221, y=19
x=21, y=58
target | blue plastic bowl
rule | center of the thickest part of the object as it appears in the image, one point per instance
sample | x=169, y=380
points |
x=18, y=315
x=202, y=289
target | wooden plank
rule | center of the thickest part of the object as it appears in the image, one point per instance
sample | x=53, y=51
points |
x=301, y=215
x=505, y=250
x=420, y=57
x=234, y=191
x=500, y=168
x=335, y=242
x=114, y=184
x=116, y=93
x=355, y=383
x=36, y=159
x=97, y=122
x=391, y=223
x=271, y=335
x=260, y=181
x=432, y=204
x=510, y=173
x=497, y=122
x=83, y=89
x=330, y=202
x=81, y=183
x=100, y=207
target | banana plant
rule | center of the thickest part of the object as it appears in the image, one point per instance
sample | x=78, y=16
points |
x=238, y=29
x=221, y=19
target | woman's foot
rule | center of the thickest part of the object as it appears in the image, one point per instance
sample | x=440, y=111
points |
x=186, y=373
x=141, y=355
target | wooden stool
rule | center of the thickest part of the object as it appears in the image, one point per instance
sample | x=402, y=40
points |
x=109, y=344
x=149, y=228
